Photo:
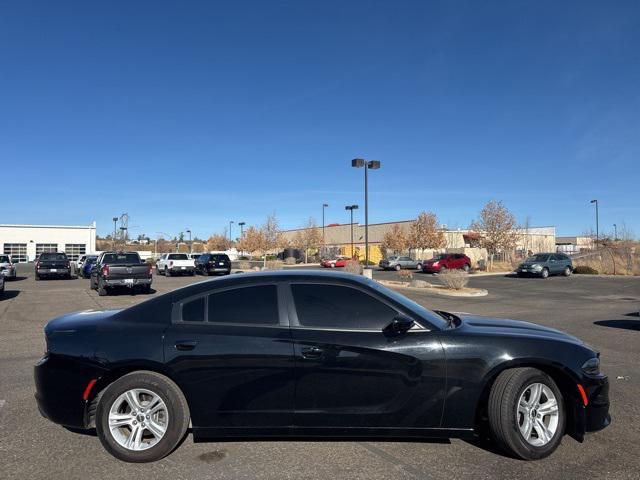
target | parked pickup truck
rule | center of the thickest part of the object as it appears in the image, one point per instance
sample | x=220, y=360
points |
x=175, y=264
x=120, y=269
x=53, y=264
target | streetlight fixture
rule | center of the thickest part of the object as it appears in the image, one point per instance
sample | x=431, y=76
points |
x=597, y=221
x=368, y=165
x=324, y=205
x=190, y=244
x=351, y=208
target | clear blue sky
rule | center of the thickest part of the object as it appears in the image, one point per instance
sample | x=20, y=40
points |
x=191, y=114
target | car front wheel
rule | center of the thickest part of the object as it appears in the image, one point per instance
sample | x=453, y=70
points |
x=544, y=273
x=526, y=413
x=141, y=417
x=567, y=271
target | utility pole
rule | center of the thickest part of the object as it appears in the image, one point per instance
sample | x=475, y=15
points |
x=324, y=205
x=231, y=222
x=615, y=234
x=115, y=229
x=597, y=223
x=190, y=244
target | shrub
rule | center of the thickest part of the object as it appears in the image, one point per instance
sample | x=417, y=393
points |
x=274, y=265
x=244, y=265
x=454, y=279
x=585, y=270
x=290, y=261
x=405, y=275
x=353, y=266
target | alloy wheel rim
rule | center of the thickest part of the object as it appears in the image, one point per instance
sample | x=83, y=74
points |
x=538, y=415
x=138, y=419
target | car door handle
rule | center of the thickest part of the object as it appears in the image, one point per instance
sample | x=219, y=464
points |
x=312, y=352
x=185, y=345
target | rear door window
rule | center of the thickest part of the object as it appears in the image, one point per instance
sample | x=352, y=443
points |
x=257, y=305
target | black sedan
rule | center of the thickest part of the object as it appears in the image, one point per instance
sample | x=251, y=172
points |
x=308, y=353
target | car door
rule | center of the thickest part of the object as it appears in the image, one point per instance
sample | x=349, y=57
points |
x=555, y=265
x=406, y=262
x=230, y=349
x=349, y=373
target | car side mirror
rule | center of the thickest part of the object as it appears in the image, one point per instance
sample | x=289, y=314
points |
x=400, y=324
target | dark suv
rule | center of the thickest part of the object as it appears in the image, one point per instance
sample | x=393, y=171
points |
x=545, y=264
x=447, y=261
x=53, y=265
x=213, y=263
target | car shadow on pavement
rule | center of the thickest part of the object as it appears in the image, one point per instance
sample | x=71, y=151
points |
x=487, y=445
x=624, y=324
x=632, y=314
x=15, y=279
x=9, y=294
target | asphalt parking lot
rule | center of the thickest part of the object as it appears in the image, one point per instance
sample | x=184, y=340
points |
x=599, y=310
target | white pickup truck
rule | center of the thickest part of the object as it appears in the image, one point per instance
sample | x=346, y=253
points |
x=175, y=264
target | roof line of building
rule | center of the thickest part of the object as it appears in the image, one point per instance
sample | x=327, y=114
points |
x=12, y=225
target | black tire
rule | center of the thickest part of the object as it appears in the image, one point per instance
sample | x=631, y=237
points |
x=37, y=277
x=397, y=268
x=177, y=409
x=503, y=406
x=544, y=273
x=567, y=271
x=167, y=273
x=466, y=267
x=102, y=290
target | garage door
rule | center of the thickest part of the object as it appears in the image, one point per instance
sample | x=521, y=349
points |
x=75, y=250
x=17, y=251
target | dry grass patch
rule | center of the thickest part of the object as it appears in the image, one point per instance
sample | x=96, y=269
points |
x=405, y=275
x=454, y=279
x=353, y=266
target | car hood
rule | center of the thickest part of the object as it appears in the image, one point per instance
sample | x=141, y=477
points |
x=495, y=326
x=84, y=320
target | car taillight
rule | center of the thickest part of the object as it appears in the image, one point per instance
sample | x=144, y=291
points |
x=105, y=270
x=150, y=270
x=37, y=265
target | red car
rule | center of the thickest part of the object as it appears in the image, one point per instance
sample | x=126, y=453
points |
x=334, y=262
x=447, y=261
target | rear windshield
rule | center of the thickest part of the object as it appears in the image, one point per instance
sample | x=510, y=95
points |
x=121, y=258
x=219, y=258
x=4, y=259
x=53, y=257
x=538, y=258
x=91, y=260
x=178, y=256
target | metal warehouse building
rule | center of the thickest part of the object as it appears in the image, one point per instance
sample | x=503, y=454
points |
x=24, y=242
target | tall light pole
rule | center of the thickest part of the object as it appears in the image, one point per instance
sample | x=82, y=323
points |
x=190, y=244
x=351, y=208
x=373, y=165
x=324, y=205
x=597, y=223
x=241, y=231
x=115, y=228
x=615, y=232
x=231, y=222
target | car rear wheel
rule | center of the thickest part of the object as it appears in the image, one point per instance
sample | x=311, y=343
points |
x=102, y=290
x=142, y=417
x=466, y=267
x=526, y=413
x=397, y=268
x=167, y=273
x=544, y=273
x=567, y=271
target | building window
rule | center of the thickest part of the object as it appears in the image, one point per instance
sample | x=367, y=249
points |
x=46, y=248
x=17, y=251
x=75, y=250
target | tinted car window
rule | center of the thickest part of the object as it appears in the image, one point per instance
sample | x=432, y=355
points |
x=4, y=259
x=540, y=257
x=120, y=258
x=219, y=258
x=178, y=256
x=334, y=306
x=255, y=305
x=193, y=311
x=48, y=257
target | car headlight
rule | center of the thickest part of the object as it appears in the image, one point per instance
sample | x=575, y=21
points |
x=535, y=266
x=591, y=366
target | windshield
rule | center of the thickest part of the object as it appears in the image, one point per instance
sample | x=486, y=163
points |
x=121, y=258
x=393, y=258
x=540, y=257
x=178, y=256
x=50, y=257
x=91, y=260
x=219, y=258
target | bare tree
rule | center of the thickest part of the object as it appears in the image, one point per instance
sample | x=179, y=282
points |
x=307, y=237
x=424, y=232
x=271, y=236
x=497, y=228
x=394, y=239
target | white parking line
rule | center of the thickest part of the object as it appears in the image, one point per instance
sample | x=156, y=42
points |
x=2, y=403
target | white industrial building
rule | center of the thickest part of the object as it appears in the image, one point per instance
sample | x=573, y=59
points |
x=25, y=242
